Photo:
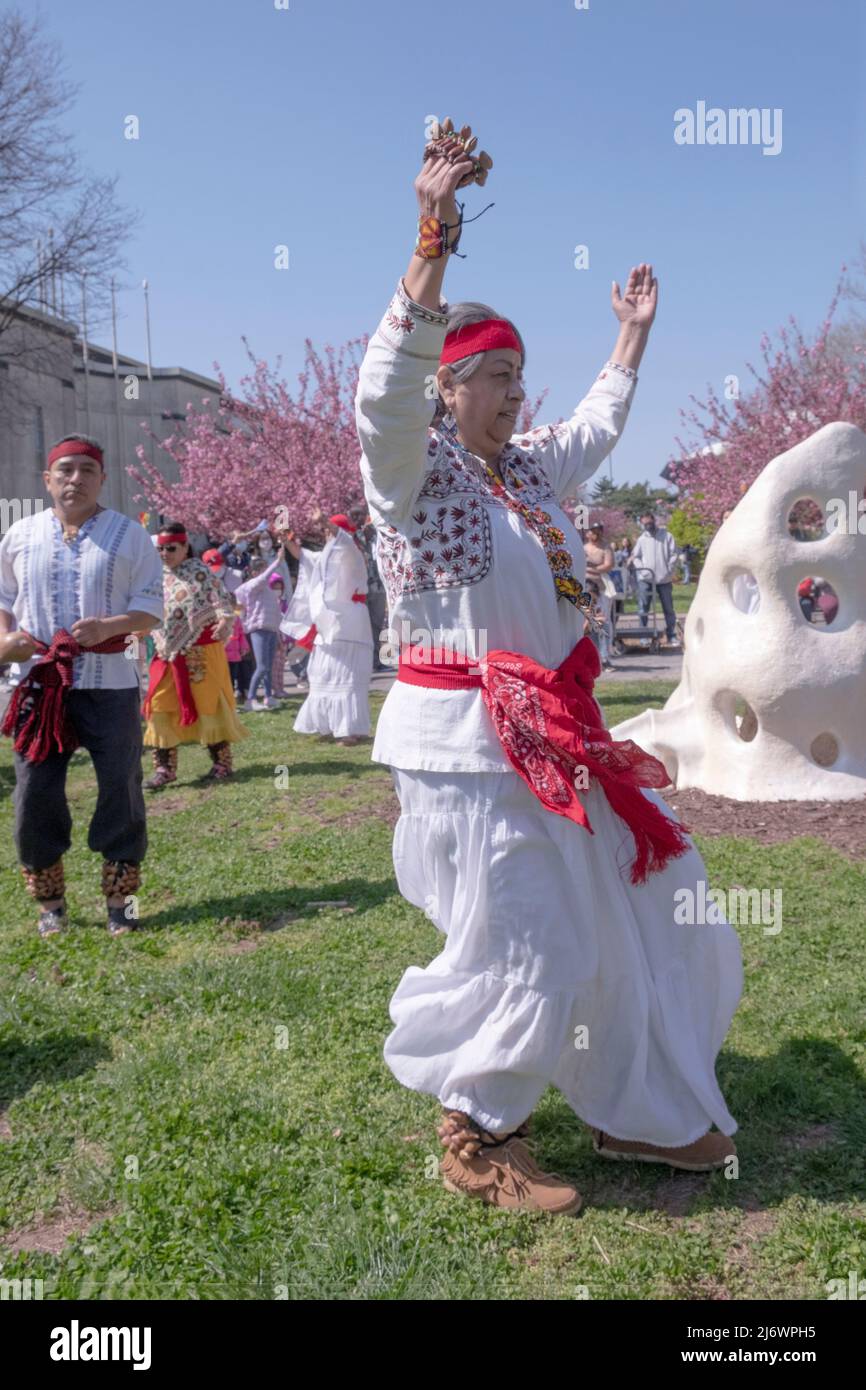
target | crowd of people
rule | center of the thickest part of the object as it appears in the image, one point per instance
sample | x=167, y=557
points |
x=539, y=846
x=119, y=641
x=647, y=568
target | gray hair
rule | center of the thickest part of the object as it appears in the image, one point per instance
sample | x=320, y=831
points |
x=79, y=438
x=460, y=316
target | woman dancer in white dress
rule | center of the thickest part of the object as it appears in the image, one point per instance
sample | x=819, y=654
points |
x=540, y=849
x=328, y=612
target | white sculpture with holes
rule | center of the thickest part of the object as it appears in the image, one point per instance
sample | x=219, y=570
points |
x=771, y=705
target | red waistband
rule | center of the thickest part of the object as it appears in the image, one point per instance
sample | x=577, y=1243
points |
x=552, y=732
x=438, y=669
x=358, y=597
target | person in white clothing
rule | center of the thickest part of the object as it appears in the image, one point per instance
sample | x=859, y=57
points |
x=563, y=962
x=80, y=586
x=328, y=613
x=654, y=560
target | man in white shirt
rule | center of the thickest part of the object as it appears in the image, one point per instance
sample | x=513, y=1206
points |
x=75, y=581
x=653, y=559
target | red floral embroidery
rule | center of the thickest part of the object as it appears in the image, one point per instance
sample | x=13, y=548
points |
x=450, y=544
x=406, y=322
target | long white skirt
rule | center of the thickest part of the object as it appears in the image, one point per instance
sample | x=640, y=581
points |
x=339, y=700
x=546, y=936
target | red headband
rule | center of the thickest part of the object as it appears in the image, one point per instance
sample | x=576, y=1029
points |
x=67, y=448
x=479, y=337
x=340, y=519
x=172, y=538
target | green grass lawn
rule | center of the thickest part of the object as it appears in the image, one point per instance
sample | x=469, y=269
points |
x=682, y=595
x=202, y=1110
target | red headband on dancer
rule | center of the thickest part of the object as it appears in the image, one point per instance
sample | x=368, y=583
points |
x=340, y=519
x=67, y=448
x=172, y=538
x=479, y=337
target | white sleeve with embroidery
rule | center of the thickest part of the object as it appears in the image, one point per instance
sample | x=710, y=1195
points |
x=394, y=404
x=145, y=580
x=8, y=578
x=298, y=616
x=572, y=451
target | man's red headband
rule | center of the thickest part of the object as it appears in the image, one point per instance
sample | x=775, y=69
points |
x=67, y=448
x=172, y=538
x=340, y=519
x=479, y=337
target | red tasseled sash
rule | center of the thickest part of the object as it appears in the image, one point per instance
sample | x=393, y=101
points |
x=180, y=672
x=37, y=717
x=550, y=726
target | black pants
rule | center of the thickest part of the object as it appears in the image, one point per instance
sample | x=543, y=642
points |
x=108, y=724
x=240, y=677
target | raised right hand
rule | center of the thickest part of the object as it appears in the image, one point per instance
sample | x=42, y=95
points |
x=443, y=172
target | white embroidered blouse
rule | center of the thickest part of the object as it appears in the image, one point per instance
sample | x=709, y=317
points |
x=460, y=568
x=327, y=579
x=48, y=583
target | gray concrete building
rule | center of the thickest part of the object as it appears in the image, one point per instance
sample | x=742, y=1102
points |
x=46, y=392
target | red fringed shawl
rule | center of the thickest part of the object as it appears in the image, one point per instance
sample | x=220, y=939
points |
x=550, y=728
x=180, y=675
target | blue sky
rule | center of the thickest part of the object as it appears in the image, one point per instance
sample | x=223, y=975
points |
x=261, y=126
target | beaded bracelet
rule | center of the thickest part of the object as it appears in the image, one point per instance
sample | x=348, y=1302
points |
x=432, y=240
x=627, y=371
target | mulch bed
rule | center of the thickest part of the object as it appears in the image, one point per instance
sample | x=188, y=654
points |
x=841, y=824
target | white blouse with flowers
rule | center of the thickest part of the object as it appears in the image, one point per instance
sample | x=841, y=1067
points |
x=461, y=569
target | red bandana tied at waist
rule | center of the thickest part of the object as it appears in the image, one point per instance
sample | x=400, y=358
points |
x=37, y=717
x=180, y=672
x=550, y=728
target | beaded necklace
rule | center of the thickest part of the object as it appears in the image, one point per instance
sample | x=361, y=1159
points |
x=552, y=539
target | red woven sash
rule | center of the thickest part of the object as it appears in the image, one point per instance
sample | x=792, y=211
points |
x=180, y=673
x=37, y=717
x=551, y=728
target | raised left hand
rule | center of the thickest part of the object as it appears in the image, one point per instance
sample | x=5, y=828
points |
x=638, y=305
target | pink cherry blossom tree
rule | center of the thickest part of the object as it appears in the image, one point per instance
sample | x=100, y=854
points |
x=265, y=450
x=802, y=385
x=269, y=453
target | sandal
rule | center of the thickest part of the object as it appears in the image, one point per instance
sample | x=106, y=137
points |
x=52, y=921
x=118, y=922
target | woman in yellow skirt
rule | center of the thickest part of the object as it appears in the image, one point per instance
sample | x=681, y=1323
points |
x=190, y=697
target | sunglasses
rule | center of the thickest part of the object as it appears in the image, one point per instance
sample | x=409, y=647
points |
x=168, y=547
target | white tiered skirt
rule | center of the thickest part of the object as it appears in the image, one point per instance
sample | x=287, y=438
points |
x=339, y=699
x=556, y=968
